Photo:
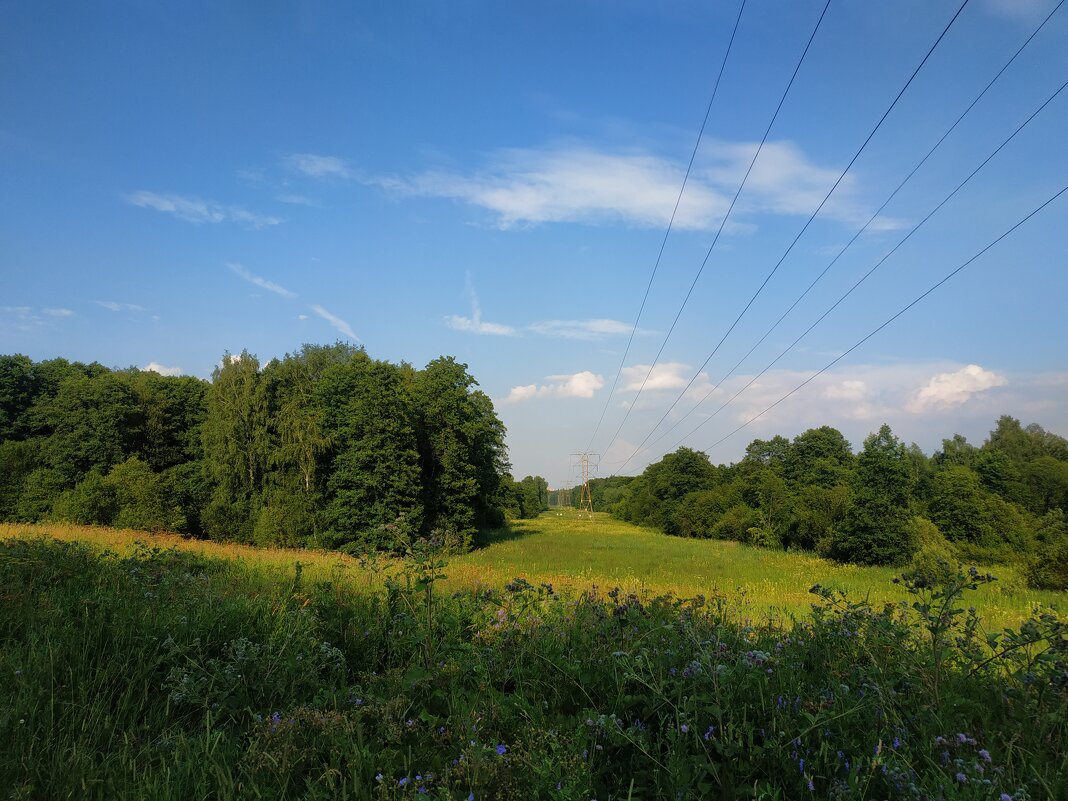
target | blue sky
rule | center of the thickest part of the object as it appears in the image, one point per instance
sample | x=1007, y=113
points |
x=494, y=180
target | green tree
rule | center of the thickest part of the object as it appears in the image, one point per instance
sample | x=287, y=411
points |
x=373, y=473
x=461, y=445
x=92, y=422
x=819, y=456
x=875, y=529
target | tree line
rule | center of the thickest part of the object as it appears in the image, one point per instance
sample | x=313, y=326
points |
x=889, y=504
x=325, y=447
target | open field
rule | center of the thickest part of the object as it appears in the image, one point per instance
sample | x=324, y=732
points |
x=569, y=551
x=134, y=672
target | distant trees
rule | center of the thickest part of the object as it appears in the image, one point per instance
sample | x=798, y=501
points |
x=1003, y=501
x=324, y=447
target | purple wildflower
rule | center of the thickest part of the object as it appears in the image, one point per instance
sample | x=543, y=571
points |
x=962, y=778
x=501, y=750
x=984, y=755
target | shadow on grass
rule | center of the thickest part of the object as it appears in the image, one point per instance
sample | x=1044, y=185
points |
x=512, y=530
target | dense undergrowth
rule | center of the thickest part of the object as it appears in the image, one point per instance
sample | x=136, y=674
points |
x=163, y=674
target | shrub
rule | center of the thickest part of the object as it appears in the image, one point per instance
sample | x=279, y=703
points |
x=935, y=559
x=93, y=501
x=736, y=522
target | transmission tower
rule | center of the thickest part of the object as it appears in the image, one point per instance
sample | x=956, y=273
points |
x=585, y=461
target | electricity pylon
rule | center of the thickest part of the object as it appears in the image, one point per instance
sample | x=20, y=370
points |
x=584, y=461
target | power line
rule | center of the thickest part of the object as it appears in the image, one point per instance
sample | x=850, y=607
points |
x=935, y=286
x=723, y=222
x=857, y=235
x=671, y=222
x=801, y=233
x=878, y=264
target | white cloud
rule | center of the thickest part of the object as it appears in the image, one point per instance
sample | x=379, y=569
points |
x=156, y=367
x=111, y=305
x=668, y=375
x=58, y=312
x=581, y=329
x=263, y=283
x=302, y=317
x=475, y=324
x=336, y=321
x=195, y=210
x=580, y=184
x=573, y=185
x=317, y=166
x=848, y=390
x=1021, y=10
x=577, y=385
x=946, y=390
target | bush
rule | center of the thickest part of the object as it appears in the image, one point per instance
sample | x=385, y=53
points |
x=93, y=501
x=936, y=559
x=142, y=501
x=1049, y=570
x=736, y=522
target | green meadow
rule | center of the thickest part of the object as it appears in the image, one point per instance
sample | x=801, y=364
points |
x=156, y=667
x=573, y=551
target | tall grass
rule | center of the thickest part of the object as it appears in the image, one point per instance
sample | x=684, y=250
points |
x=571, y=551
x=164, y=674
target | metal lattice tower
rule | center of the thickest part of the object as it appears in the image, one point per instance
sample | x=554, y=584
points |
x=585, y=461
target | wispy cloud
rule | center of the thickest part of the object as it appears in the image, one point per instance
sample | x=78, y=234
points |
x=336, y=322
x=111, y=305
x=21, y=318
x=314, y=165
x=196, y=210
x=259, y=281
x=1022, y=10
x=946, y=390
x=25, y=318
x=156, y=367
x=577, y=385
x=297, y=200
x=523, y=187
x=582, y=329
x=475, y=324
x=668, y=375
x=575, y=183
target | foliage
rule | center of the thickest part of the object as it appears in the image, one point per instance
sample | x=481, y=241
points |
x=321, y=448
x=195, y=678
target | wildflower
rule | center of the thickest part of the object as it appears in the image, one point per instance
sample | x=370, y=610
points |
x=684, y=728
x=801, y=765
x=501, y=750
x=710, y=732
x=984, y=755
x=403, y=781
x=1005, y=797
x=471, y=796
x=811, y=786
x=962, y=778
x=378, y=777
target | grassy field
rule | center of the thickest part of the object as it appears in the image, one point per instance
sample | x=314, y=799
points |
x=140, y=671
x=570, y=551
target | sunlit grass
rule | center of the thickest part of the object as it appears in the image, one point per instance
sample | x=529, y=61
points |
x=570, y=551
